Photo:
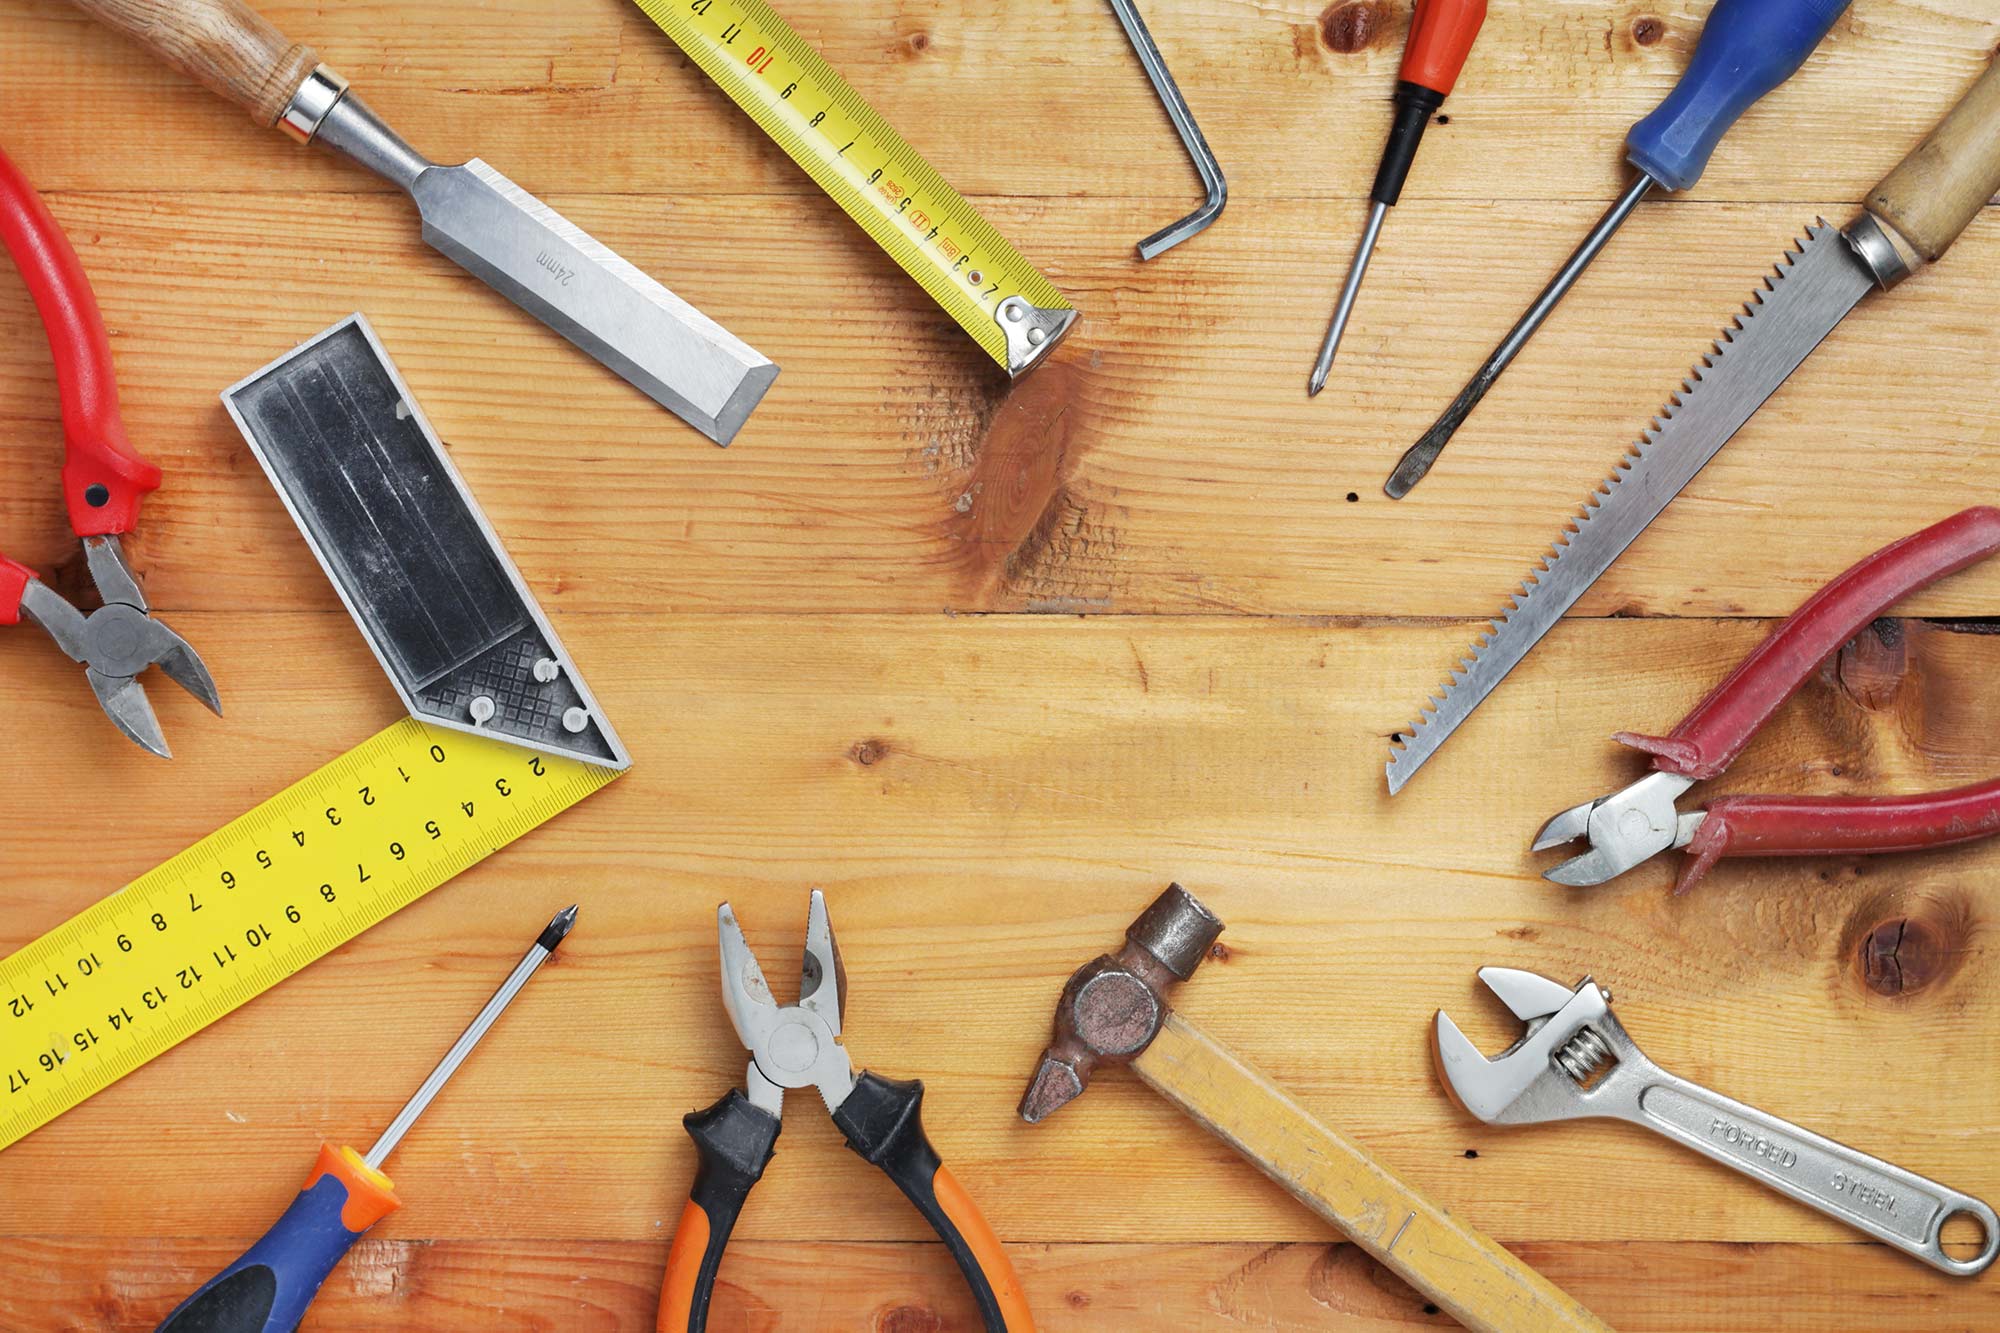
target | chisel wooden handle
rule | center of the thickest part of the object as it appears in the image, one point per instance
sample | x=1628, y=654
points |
x=1939, y=189
x=1469, y=1276
x=222, y=43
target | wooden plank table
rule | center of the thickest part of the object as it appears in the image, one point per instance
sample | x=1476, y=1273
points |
x=993, y=667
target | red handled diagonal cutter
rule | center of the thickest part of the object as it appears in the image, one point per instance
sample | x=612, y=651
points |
x=798, y=1046
x=103, y=481
x=1641, y=821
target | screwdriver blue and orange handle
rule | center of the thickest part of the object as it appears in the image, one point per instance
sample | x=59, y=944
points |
x=268, y=1289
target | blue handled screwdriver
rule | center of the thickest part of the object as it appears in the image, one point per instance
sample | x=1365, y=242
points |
x=269, y=1287
x=1747, y=48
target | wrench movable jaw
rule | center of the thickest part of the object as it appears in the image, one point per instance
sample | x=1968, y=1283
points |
x=1536, y=1078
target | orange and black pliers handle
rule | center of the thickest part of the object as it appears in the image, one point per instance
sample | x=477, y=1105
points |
x=883, y=1121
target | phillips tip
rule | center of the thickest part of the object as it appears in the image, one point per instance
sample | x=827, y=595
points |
x=558, y=928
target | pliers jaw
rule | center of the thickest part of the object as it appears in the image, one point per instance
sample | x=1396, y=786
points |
x=1623, y=829
x=791, y=1046
x=118, y=641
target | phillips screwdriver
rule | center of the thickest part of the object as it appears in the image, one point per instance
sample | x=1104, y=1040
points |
x=268, y=1289
x=1746, y=49
x=1441, y=36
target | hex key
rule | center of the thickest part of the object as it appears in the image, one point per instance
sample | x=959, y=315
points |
x=1217, y=189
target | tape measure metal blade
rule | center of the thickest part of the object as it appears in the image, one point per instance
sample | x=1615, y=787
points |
x=258, y=899
x=904, y=204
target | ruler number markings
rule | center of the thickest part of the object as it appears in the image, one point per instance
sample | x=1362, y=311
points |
x=912, y=209
x=131, y=971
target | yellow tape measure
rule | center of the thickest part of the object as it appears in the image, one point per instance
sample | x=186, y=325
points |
x=255, y=901
x=900, y=200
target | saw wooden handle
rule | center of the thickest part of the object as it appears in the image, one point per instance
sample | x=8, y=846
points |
x=222, y=43
x=1469, y=1276
x=1936, y=192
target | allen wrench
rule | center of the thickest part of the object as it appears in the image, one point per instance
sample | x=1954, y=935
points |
x=1210, y=170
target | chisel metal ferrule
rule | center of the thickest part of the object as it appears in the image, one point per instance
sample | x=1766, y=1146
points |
x=310, y=105
x=1871, y=241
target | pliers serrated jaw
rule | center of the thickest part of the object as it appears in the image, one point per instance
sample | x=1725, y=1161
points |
x=794, y=1046
x=790, y=1046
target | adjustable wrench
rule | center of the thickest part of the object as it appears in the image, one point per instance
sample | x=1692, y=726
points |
x=1576, y=1061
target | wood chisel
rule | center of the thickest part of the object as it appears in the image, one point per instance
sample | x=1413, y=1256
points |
x=490, y=226
x=419, y=567
x=1909, y=221
x=1441, y=37
x=270, y=1286
x=1747, y=48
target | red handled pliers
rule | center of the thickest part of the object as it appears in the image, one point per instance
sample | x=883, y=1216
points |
x=1641, y=821
x=103, y=481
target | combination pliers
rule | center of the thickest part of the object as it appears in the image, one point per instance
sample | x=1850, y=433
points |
x=798, y=1046
x=103, y=481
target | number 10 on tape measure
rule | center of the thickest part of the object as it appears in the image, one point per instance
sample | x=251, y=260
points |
x=255, y=901
x=1008, y=306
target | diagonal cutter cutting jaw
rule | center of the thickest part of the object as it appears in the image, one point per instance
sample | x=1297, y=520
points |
x=1623, y=829
x=796, y=1045
x=118, y=641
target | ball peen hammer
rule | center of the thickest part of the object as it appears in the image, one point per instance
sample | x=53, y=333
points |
x=1114, y=1011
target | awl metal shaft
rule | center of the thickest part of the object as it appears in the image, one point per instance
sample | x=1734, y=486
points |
x=505, y=236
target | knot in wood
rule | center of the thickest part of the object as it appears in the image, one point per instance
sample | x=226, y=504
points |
x=1353, y=26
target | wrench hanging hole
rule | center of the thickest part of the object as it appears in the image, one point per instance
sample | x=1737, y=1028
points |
x=1963, y=1235
x=1585, y=1058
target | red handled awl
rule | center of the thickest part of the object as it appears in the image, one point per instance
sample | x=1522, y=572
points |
x=103, y=481
x=270, y=1286
x=1641, y=821
x=1441, y=36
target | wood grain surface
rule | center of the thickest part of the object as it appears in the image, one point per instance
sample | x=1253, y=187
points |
x=992, y=667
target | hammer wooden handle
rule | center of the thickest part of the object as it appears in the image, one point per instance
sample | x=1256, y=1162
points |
x=1469, y=1276
x=1941, y=187
x=222, y=43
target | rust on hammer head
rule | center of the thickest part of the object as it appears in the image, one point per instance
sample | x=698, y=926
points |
x=1114, y=1005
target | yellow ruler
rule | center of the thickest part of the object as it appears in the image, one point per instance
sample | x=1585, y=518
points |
x=255, y=901
x=900, y=200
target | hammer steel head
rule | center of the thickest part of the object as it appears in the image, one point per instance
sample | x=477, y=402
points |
x=1113, y=1006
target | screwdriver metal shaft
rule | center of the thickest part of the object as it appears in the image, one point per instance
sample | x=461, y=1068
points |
x=1441, y=36
x=1746, y=49
x=270, y=1285
x=1417, y=459
x=1355, y=273
x=538, y=953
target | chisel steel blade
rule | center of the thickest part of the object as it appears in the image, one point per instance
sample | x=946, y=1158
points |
x=1814, y=287
x=551, y=268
